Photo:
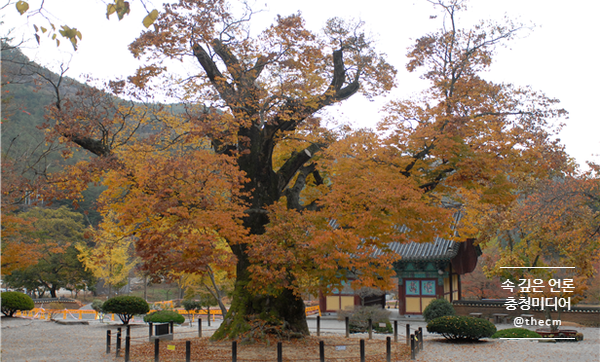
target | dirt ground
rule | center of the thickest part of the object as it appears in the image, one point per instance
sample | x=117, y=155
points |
x=35, y=341
x=336, y=349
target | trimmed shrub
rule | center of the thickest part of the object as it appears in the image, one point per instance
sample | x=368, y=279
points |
x=191, y=306
x=438, y=308
x=164, y=316
x=14, y=301
x=457, y=328
x=97, y=305
x=359, y=319
x=126, y=307
x=516, y=333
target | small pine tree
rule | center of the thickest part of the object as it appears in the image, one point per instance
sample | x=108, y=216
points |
x=126, y=307
x=14, y=301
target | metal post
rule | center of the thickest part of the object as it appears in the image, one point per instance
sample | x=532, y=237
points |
x=347, y=327
x=412, y=346
x=234, y=351
x=150, y=328
x=362, y=350
x=388, y=349
x=370, y=328
x=408, y=334
x=420, y=339
x=127, y=346
x=318, y=326
x=199, y=328
x=171, y=326
x=108, y=341
x=395, y=331
x=188, y=351
x=279, y=352
x=156, y=350
x=417, y=341
x=119, y=342
x=322, y=351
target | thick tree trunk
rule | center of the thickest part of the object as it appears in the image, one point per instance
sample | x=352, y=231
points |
x=252, y=316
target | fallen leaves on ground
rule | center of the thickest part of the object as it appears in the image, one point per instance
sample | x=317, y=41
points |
x=307, y=349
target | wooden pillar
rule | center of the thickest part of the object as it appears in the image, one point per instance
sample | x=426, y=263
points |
x=401, y=298
x=451, y=279
x=459, y=287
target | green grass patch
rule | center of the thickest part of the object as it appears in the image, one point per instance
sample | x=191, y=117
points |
x=516, y=333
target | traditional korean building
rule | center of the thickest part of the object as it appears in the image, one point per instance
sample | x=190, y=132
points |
x=425, y=271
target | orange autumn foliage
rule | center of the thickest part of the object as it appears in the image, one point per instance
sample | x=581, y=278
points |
x=245, y=158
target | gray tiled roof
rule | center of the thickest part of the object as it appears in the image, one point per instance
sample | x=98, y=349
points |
x=439, y=249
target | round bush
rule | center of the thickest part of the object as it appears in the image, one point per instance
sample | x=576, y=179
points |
x=461, y=328
x=516, y=333
x=97, y=305
x=438, y=308
x=14, y=301
x=164, y=316
x=126, y=307
x=191, y=305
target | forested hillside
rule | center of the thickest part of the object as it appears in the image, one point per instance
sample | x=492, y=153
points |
x=27, y=89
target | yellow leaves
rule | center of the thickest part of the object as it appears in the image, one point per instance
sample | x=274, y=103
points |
x=22, y=7
x=113, y=255
x=150, y=18
x=72, y=34
x=121, y=7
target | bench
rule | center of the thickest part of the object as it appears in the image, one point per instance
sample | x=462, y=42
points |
x=476, y=315
x=500, y=317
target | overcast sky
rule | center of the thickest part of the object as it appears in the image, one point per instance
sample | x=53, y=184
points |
x=559, y=57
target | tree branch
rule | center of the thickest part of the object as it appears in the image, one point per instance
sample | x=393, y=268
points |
x=294, y=163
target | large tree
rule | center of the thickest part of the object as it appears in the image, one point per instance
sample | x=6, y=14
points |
x=55, y=232
x=466, y=140
x=247, y=160
x=552, y=231
x=492, y=149
x=265, y=86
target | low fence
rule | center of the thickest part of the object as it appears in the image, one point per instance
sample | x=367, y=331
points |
x=121, y=344
x=42, y=313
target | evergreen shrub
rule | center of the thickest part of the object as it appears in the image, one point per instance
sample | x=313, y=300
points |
x=15, y=301
x=516, y=333
x=458, y=328
x=438, y=308
x=126, y=307
x=164, y=316
x=97, y=305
